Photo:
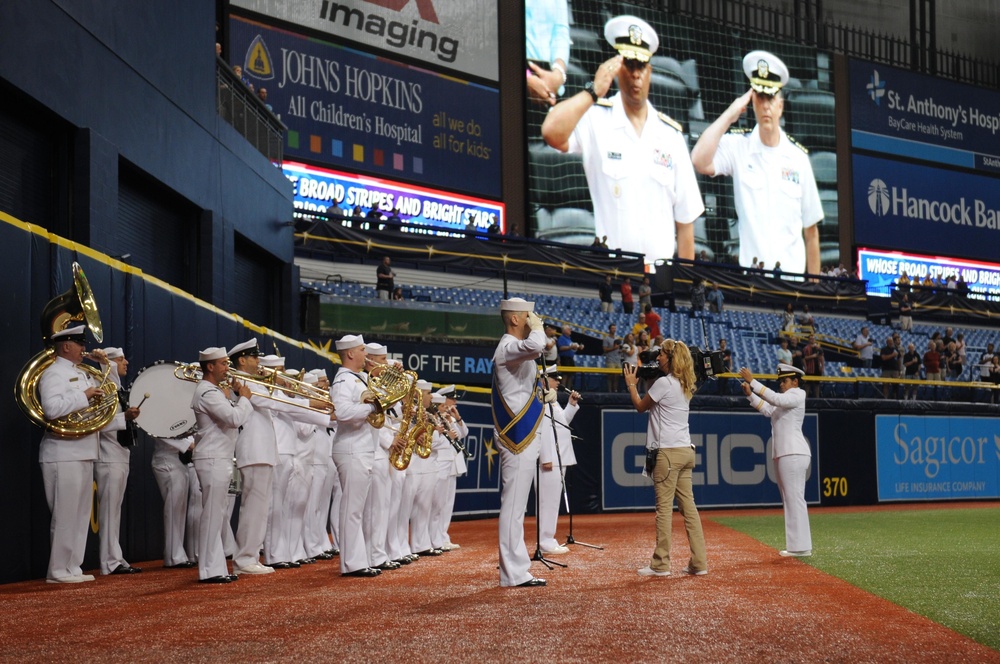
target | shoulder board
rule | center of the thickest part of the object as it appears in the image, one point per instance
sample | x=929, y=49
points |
x=666, y=119
x=739, y=130
x=606, y=103
x=797, y=144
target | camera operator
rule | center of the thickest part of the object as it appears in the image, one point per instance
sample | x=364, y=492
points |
x=670, y=454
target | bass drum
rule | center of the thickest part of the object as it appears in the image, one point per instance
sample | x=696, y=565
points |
x=167, y=413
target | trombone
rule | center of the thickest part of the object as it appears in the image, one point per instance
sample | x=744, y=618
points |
x=268, y=379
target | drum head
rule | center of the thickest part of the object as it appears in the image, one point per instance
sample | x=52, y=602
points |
x=167, y=412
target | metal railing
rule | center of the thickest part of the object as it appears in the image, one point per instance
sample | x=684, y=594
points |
x=241, y=108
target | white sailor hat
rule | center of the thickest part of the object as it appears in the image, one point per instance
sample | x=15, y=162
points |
x=77, y=333
x=310, y=378
x=319, y=373
x=424, y=385
x=291, y=373
x=633, y=38
x=249, y=348
x=516, y=304
x=446, y=390
x=113, y=353
x=272, y=361
x=376, y=349
x=788, y=371
x=212, y=353
x=766, y=71
x=437, y=398
x=350, y=341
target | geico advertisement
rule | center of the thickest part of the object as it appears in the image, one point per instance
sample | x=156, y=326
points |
x=733, y=465
x=933, y=458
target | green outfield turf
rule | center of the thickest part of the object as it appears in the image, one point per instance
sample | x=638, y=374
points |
x=943, y=564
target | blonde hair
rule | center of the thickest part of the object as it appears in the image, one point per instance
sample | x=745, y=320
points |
x=681, y=365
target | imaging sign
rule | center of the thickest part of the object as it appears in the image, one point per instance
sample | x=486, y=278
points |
x=937, y=458
x=461, y=36
x=733, y=465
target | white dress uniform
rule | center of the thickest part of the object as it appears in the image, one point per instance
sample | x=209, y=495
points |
x=550, y=492
x=443, y=501
x=171, y=476
x=421, y=477
x=377, y=507
x=775, y=196
x=516, y=376
x=791, y=455
x=111, y=474
x=640, y=184
x=218, y=420
x=354, y=454
x=316, y=541
x=67, y=470
x=302, y=478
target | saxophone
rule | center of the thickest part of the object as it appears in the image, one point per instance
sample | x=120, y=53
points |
x=400, y=457
x=423, y=447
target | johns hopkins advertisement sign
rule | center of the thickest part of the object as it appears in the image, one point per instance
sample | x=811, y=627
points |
x=352, y=110
x=733, y=465
x=937, y=458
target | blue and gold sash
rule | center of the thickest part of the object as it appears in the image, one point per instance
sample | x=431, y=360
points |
x=516, y=430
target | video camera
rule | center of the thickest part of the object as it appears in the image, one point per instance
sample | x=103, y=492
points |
x=649, y=368
x=707, y=363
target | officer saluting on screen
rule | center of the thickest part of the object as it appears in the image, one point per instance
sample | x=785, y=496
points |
x=775, y=191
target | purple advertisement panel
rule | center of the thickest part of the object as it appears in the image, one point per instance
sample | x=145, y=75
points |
x=359, y=112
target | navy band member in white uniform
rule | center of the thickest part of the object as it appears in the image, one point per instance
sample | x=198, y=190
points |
x=354, y=453
x=458, y=429
x=67, y=463
x=776, y=199
x=517, y=413
x=419, y=489
x=789, y=450
x=377, y=508
x=636, y=159
x=554, y=459
x=171, y=476
x=111, y=470
x=219, y=420
x=316, y=541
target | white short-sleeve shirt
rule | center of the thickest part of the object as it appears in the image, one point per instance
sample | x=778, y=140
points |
x=668, y=419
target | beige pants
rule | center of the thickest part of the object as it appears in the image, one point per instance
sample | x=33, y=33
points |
x=672, y=476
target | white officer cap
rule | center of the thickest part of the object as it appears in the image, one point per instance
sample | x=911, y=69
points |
x=212, y=353
x=272, y=361
x=424, y=385
x=766, y=71
x=517, y=304
x=350, y=341
x=633, y=38
x=246, y=348
x=113, y=353
x=376, y=349
x=77, y=333
x=788, y=371
x=437, y=398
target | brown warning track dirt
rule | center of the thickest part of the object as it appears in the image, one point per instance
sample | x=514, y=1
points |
x=753, y=606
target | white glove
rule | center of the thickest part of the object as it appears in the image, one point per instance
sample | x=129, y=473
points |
x=550, y=396
x=534, y=322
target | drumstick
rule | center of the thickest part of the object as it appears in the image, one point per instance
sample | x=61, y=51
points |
x=144, y=397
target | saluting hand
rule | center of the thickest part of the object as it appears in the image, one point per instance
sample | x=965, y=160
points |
x=738, y=107
x=606, y=74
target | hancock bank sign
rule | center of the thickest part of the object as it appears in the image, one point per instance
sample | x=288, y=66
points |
x=889, y=200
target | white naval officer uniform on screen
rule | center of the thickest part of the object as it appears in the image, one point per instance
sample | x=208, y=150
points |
x=640, y=184
x=791, y=455
x=550, y=492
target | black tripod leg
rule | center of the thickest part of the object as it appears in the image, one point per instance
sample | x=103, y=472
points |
x=569, y=538
x=538, y=522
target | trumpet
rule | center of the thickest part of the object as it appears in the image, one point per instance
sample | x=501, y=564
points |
x=268, y=380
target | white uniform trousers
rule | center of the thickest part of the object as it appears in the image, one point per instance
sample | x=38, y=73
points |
x=68, y=490
x=397, y=543
x=550, y=498
x=254, y=505
x=335, y=499
x=299, y=483
x=376, y=519
x=791, y=472
x=277, y=548
x=111, y=480
x=315, y=538
x=194, y=513
x=228, y=536
x=422, y=485
x=355, y=472
x=214, y=476
x=442, y=504
x=516, y=474
x=172, y=478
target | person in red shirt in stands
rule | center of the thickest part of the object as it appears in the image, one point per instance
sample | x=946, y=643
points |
x=652, y=322
x=627, y=301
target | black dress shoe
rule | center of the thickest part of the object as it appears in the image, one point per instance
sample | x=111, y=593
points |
x=216, y=579
x=388, y=566
x=366, y=572
x=531, y=583
x=125, y=569
x=324, y=556
x=413, y=557
x=284, y=565
x=405, y=560
x=185, y=565
x=232, y=577
x=430, y=552
x=306, y=561
x=335, y=552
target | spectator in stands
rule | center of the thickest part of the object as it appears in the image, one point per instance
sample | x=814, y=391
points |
x=949, y=336
x=546, y=49
x=628, y=304
x=954, y=361
x=645, y=294
x=238, y=70
x=715, y=298
x=927, y=284
x=903, y=283
x=612, y=345
x=397, y=294
x=640, y=324
x=932, y=362
x=567, y=354
x=890, y=367
x=962, y=350
x=604, y=293
x=814, y=364
x=262, y=95
x=629, y=177
x=357, y=213
x=986, y=362
x=643, y=342
x=788, y=318
x=777, y=270
x=652, y=321
x=385, y=278
x=961, y=287
x=494, y=229
x=727, y=364
x=905, y=312
x=703, y=256
x=911, y=371
x=864, y=345
x=596, y=244
x=995, y=377
x=806, y=318
x=551, y=352
x=951, y=283
x=218, y=50
x=783, y=353
x=629, y=350
x=900, y=350
x=395, y=218
x=697, y=298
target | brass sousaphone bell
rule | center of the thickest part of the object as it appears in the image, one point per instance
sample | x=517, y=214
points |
x=77, y=305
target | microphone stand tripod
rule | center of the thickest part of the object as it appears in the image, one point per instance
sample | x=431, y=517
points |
x=539, y=556
x=569, y=538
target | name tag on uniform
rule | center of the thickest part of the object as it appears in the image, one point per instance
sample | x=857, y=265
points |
x=790, y=175
x=662, y=159
x=615, y=155
x=73, y=380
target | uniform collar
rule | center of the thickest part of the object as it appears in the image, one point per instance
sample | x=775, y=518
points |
x=757, y=145
x=619, y=120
